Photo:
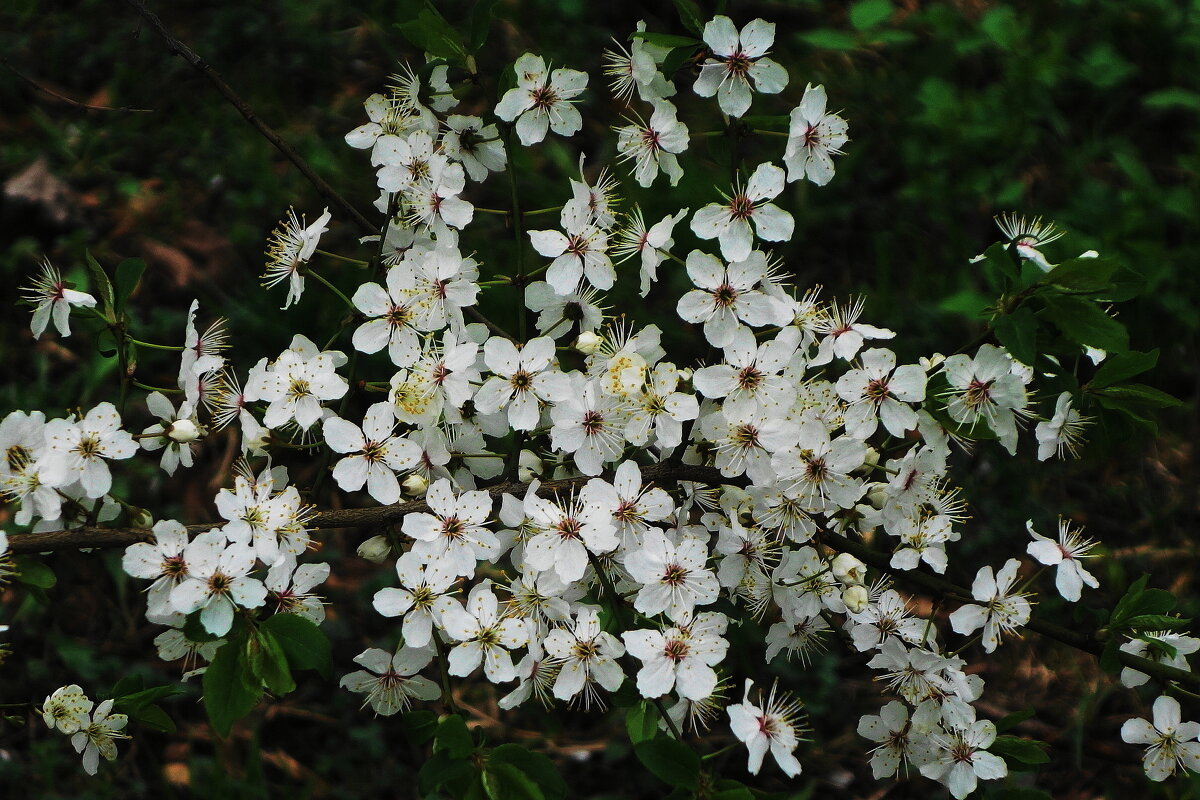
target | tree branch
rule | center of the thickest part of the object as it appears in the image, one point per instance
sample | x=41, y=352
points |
x=200, y=65
x=662, y=473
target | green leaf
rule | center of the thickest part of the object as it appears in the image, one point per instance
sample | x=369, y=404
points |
x=144, y=697
x=671, y=761
x=1002, y=27
x=1084, y=322
x=227, y=698
x=967, y=302
x=1024, y=751
x=675, y=60
x=453, y=738
x=1120, y=366
x=275, y=671
x=420, y=725
x=869, y=13
x=829, y=39
x=690, y=16
x=536, y=766
x=641, y=721
x=440, y=769
x=480, y=23
x=668, y=40
x=153, y=717
x=302, y=641
x=1013, y=720
x=432, y=33
x=101, y=284
x=1125, y=604
x=1110, y=658
x=32, y=572
x=1083, y=274
x=194, y=631
x=1173, y=97
x=1018, y=333
x=1140, y=394
x=1156, y=622
x=1003, y=260
x=506, y=782
x=129, y=274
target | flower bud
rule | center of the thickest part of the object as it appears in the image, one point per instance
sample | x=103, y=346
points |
x=529, y=466
x=878, y=496
x=856, y=598
x=415, y=485
x=931, y=363
x=588, y=342
x=869, y=462
x=184, y=431
x=140, y=518
x=848, y=569
x=375, y=549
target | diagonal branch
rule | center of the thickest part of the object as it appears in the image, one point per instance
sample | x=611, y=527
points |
x=200, y=65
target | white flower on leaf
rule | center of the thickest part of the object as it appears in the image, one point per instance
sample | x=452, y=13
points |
x=673, y=576
x=586, y=655
x=1171, y=743
x=390, y=680
x=476, y=146
x=1064, y=555
x=581, y=252
x=217, y=582
x=962, y=758
x=730, y=224
x=67, y=709
x=162, y=562
x=738, y=58
x=454, y=534
x=880, y=391
x=772, y=726
x=985, y=389
x=999, y=610
x=652, y=244
x=98, y=736
x=421, y=598
x=291, y=245
x=542, y=100
x=814, y=136
x=374, y=453
x=522, y=380
x=485, y=636
x=52, y=300
x=564, y=533
x=174, y=435
x=726, y=296
x=289, y=588
x=78, y=451
x=1063, y=432
x=654, y=145
x=673, y=659
x=899, y=740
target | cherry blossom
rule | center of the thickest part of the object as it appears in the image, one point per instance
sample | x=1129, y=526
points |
x=737, y=58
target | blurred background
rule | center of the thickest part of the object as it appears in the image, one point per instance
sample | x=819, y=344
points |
x=1082, y=111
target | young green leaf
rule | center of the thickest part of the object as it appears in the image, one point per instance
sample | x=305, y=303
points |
x=227, y=698
x=302, y=641
x=671, y=761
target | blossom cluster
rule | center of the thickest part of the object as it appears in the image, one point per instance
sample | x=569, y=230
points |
x=591, y=573
x=93, y=728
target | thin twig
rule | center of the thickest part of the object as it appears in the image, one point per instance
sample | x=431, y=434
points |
x=85, y=106
x=200, y=65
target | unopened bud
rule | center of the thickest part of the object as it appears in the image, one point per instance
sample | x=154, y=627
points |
x=588, y=342
x=856, y=598
x=529, y=466
x=375, y=549
x=848, y=569
x=931, y=363
x=140, y=518
x=878, y=496
x=184, y=431
x=869, y=461
x=415, y=485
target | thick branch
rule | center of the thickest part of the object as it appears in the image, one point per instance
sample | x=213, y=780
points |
x=200, y=65
x=663, y=473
